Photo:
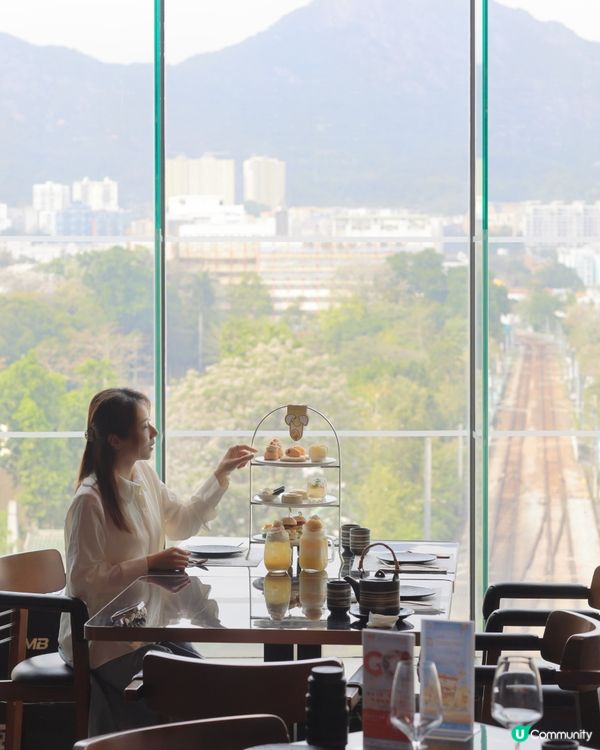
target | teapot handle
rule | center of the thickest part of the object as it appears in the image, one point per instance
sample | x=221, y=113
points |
x=381, y=544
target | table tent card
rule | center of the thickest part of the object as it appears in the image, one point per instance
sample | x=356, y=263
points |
x=382, y=650
x=451, y=646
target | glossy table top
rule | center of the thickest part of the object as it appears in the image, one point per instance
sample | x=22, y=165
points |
x=243, y=605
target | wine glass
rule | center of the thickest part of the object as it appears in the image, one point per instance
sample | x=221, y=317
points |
x=516, y=692
x=416, y=724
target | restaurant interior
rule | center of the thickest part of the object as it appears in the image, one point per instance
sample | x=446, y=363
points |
x=299, y=309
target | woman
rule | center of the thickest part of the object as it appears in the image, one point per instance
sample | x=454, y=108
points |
x=115, y=530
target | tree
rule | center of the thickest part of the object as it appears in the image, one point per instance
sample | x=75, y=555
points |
x=233, y=395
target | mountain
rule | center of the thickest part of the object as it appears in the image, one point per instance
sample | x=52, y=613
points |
x=367, y=102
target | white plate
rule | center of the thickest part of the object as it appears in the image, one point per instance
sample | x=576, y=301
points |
x=290, y=461
x=268, y=499
x=327, y=500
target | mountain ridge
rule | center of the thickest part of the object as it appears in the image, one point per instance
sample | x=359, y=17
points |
x=367, y=104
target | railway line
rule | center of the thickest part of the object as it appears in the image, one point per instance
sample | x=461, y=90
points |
x=536, y=483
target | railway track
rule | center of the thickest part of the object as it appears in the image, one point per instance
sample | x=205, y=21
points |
x=530, y=531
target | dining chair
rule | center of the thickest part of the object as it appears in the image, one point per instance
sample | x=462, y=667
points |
x=569, y=646
x=28, y=581
x=496, y=592
x=231, y=733
x=180, y=688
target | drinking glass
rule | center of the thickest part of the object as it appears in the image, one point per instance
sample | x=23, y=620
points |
x=416, y=724
x=516, y=693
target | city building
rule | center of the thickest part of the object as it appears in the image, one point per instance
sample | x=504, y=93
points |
x=547, y=223
x=99, y=195
x=264, y=181
x=585, y=261
x=208, y=175
x=51, y=196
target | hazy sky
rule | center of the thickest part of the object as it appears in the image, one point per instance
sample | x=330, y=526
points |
x=121, y=30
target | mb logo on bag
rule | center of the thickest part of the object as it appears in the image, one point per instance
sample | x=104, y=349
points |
x=37, y=644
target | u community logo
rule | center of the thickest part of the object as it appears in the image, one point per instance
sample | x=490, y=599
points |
x=520, y=733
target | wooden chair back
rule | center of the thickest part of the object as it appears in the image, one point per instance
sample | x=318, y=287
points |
x=182, y=688
x=31, y=580
x=561, y=626
x=232, y=733
x=40, y=572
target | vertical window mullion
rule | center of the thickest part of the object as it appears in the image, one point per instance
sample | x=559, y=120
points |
x=159, y=234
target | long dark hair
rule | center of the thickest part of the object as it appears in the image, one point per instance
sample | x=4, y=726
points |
x=111, y=412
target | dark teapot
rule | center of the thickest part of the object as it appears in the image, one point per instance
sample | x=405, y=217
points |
x=380, y=592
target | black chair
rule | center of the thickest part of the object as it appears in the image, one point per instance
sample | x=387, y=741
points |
x=27, y=581
x=536, y=591
x=570, y=647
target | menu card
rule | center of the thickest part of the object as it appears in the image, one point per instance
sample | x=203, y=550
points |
x=451, y=646
x=381, y=652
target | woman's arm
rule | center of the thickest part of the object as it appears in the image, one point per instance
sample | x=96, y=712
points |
x=182, y=520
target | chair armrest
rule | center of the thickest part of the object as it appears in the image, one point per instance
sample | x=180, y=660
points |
x=484, y=674
x=500, y=618
x=53, y=602
x=135, y=690
x=576, y=679
x=502, y=641
x=511, y=590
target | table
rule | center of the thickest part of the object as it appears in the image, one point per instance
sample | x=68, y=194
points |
x=485, y=737
x=227, y=605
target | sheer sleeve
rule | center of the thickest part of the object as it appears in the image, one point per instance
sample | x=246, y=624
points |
x=90, y=573
x=182, y=520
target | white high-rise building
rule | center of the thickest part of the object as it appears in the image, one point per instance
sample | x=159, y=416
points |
x=208, y=175
x=264, y=181
x=99, y=195
x=5, y=222
x=51, y=196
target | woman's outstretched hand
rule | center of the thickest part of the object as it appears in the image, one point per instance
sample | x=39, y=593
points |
x=173, y=558
x=236, y=458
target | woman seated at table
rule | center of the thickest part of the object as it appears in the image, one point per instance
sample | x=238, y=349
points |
x=114, y=533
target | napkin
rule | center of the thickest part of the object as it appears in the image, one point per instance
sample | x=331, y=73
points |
x=381, y=621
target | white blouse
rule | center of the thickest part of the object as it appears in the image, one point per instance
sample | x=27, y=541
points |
x=102, y=560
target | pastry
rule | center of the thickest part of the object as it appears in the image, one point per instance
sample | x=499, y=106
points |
x=295, y=451
x=289, y=524
x=294, y=496
x=272, y=453
x=300, y=521
x=317, y=452
x=266, y=528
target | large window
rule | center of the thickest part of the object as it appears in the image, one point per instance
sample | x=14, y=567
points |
x=337, y=232
x=76, y=249
x=544, y=249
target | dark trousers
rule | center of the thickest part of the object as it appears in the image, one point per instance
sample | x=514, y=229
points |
x=109, y=711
